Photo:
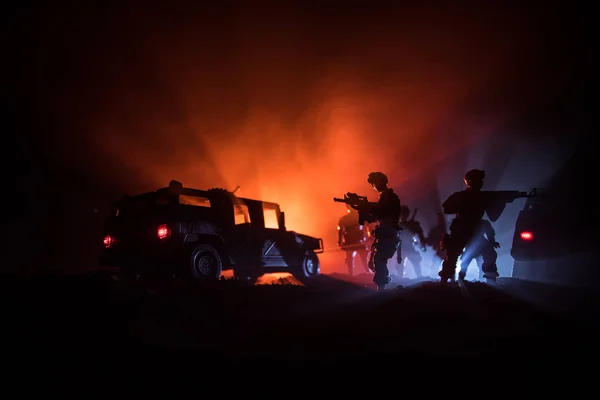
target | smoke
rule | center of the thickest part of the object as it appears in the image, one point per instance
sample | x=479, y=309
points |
x=295, y=109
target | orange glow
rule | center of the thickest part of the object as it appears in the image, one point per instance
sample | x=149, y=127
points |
x=267, y=279
x=329, y=152
x=270, y=216
x=277, y=278
x=293, y=132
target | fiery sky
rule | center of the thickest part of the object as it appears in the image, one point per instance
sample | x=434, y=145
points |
x=296, y=104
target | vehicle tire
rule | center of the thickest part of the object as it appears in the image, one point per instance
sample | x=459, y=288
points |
x=205, y=263
x=309, y=268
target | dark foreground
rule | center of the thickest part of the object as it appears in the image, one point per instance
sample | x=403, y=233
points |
x=335, y=331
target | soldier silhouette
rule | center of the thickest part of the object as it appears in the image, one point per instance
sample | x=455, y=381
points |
x=386, y=214
x=469, y=207
x=354, y=240
x=412, y=236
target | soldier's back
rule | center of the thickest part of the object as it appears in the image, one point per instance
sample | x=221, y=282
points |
x=354, y=235
x=348, y=220
x=466, y=204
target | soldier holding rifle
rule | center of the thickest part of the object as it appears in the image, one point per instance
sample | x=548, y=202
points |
x=385, y=213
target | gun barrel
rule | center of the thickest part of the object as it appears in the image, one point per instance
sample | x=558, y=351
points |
x=338, y=200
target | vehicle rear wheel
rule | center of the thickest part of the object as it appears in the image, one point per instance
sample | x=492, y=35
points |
x=205, y=263
x=309, y=268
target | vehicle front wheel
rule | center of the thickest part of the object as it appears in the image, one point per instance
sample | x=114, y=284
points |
x=309, y=268
x=205, y=263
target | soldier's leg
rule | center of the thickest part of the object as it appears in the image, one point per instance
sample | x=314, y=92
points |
x=465, y=261
x=471, y=251
x=350, y=262
x=364, y=259
x=453, y=246
x=384, y=250
x=479, y=261
x=489, y=267
x=415, y=259
x=371, y=262
x=400, y=254
x=464, y=265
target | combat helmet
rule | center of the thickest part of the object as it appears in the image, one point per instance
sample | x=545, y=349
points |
x=377, y=178
x=474, y=178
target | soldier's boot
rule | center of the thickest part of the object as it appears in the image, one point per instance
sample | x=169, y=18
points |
x=490, y=277
x=490, y=272
x=445, y=276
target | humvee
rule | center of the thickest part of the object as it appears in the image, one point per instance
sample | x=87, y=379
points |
x=191, y=233
x=555, y=239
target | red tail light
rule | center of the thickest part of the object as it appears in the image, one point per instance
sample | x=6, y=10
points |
x=108, y=241
x=163, y=232
x=526, y=235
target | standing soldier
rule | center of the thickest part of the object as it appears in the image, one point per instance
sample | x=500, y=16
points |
x=386, y=214
x=414, y=237
x=353, y=239
x=469, y=207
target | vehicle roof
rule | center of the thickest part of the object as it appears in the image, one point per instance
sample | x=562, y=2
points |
x=205, y=193
x=193, y=192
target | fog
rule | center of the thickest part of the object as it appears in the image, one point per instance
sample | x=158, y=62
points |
x=295, y=105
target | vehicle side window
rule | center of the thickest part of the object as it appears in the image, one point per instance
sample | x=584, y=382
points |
x=194, y=201
x=241, y=214
x=270, y=215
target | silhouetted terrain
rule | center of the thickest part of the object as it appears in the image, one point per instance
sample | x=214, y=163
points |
x=85, y=325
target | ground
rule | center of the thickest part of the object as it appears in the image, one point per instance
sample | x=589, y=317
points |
x=335, y=329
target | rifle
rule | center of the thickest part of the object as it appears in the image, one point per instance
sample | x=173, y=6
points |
x=353, y=200
x=359, y=203
x=499, y=198
x=414, y=214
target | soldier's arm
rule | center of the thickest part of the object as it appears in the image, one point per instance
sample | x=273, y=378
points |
x=341, y=229
x=377, y=210
x=490, y=233
x=421, y=234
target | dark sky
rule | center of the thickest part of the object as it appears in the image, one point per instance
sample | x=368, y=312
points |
x=294, y=102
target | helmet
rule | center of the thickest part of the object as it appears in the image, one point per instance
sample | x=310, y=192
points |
x=474, y=177
x=377, y=178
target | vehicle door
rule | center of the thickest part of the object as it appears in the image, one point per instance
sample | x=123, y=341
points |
x=278, y=244
x=244, y=240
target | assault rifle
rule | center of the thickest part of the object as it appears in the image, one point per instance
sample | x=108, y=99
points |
x=498, y=199
x=359, y=203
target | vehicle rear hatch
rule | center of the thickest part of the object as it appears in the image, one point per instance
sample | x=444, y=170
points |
x=137, y=222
